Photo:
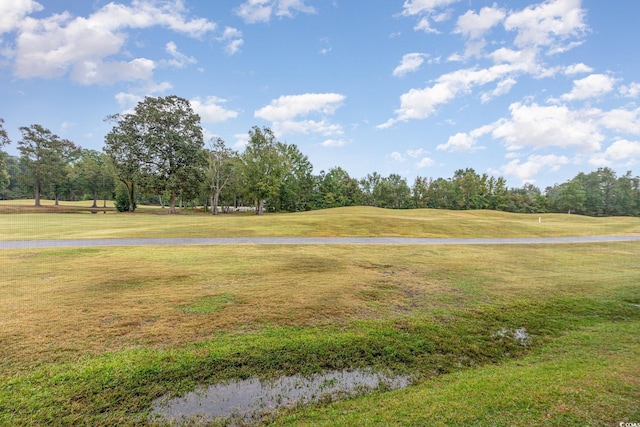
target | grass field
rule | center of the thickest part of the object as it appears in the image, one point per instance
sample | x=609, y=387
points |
x=90, y=336
x=354, y=222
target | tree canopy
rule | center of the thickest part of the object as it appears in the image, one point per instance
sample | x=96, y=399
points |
x=159, y=146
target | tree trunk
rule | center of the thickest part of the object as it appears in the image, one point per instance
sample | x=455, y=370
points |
x=172, y=203
x=260, y=207
x=214, y=203
x=130, y=188
x=57, y=199
x=95, y=199
x=37, y=195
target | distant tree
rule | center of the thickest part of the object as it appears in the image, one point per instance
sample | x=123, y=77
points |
x=44, y=157
x=219, y=170
x=393, y=192
x=265, y=166
x=336, y=189
x=93, y=175
x=420, y=192
x=4, y=174
x=159, y=146
x=296, y=190
x=569, y=197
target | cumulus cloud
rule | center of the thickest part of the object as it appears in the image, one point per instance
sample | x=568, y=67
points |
x=577, y=69
x=623, y=150
x=253, y=11
x=466, y=142
x=13, y=12
x=631, y=91
x=60, y=44
x=592, y=86
x=474, y=25
x=287, y=113
x=549, y=126
x=289, y=106
x=410, y=63
x=526, y=171
x=547, y=24
x=425, y=162
x=211, y=111
x=418, y=7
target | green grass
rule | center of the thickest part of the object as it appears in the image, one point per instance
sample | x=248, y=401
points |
x=90, y=336
x=356, y=222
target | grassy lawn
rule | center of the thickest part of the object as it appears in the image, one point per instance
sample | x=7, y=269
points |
x=348, y=222
x=90, y=336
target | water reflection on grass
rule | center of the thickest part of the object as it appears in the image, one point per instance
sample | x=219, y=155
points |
x=247, y=400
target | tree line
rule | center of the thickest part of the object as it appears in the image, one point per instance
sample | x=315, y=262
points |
x=157, y=154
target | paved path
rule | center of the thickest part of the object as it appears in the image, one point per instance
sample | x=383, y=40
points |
x=27, y=244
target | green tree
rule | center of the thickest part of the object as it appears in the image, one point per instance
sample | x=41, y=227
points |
x=219, y=170
x=94, y=176
x=296, y=190
x=570, y=197
x=4, y=174
x=159, y=146
x=44, y=157
x=265, y=166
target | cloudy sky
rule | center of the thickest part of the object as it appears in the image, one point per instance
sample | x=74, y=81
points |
x=532, y=91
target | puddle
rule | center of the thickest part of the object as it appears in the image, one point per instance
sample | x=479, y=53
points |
x=245, y=401
x=520, y=335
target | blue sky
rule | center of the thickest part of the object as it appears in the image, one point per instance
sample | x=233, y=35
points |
x=532, y=91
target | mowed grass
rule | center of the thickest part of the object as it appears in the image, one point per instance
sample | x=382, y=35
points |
x=353, y=221
x=90, y=336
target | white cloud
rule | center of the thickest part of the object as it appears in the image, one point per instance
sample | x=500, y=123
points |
x=621, y=120
x=474, y=25
x=549, y=126
x=241, y=140
x=128, y=100
x=12, y=12
x=503, y=87
x=290, y=106
x=54, y=46
x=418, y=7
x=211, y=111
x=630, y=91
x=425, y=162
x=333, y=143
x=397, y=157
x=592, y=86
x=233, y=38
x=253, y=11
x=528, y=170
x=577, y=69
x=286, y=8
x=179, y=60
x=287, y=113
x=410, y=63
x=623, y=150
x=427, y=10
x=466, y=142
x=422, y=103
x=547, y=23
x=89, y=72
x=425, y=25
x=415, y=153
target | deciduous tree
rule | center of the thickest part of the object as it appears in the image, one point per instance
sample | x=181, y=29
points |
x=44, y=156
x=4, y=174
x=159, y=146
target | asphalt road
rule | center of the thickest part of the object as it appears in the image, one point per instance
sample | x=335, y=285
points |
x=28, y=244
